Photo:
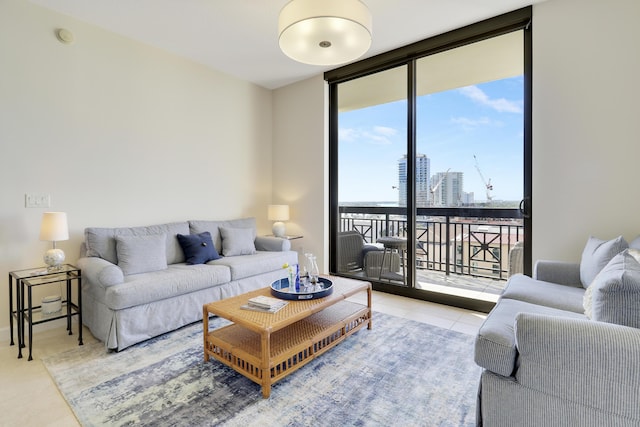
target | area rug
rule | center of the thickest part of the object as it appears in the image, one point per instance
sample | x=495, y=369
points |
x=400, y=373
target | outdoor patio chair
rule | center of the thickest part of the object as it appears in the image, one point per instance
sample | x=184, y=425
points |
x=515, y=259
x=354, y=256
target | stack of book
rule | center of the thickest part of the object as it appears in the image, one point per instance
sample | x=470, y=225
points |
x=265, y=304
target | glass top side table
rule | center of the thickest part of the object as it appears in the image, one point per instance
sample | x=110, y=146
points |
x=24, y=281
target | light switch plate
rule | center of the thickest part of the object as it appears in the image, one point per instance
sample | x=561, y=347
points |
x=37, y=200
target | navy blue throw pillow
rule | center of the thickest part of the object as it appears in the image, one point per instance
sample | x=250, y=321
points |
x=198, y=248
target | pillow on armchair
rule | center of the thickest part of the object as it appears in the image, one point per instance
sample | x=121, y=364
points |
x=596, y=255
x=614, y=295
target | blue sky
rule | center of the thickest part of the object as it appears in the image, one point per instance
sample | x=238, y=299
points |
x=485, y=120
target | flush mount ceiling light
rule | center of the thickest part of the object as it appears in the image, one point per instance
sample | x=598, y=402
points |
x=327, y=32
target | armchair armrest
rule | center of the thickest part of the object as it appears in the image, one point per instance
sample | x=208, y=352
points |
x=594, y=364
x=273, y=244
x=99, y=271
x=562, y=273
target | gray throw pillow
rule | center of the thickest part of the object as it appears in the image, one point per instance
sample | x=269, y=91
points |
x=141, y=254
x=615, y=292
x=596, y=255
x=237, y=241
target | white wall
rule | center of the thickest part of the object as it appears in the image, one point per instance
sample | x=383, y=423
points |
x=300, y=171
x=119, y=134
x=586, y=64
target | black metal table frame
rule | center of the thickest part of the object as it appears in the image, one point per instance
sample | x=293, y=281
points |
x=23, y=313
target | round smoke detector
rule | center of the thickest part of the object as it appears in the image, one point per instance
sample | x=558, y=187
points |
x=65, y=36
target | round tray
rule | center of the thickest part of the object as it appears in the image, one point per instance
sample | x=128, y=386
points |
x=280, y=289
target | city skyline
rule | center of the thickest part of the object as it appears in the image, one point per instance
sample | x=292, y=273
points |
x=461, y=130
x=438, y=189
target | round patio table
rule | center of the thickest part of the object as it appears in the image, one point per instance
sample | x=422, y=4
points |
x=398, y=244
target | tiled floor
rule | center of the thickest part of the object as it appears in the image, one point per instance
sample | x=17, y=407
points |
x=28, y=396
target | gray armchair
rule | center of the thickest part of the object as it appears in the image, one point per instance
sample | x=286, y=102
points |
x=545, y=363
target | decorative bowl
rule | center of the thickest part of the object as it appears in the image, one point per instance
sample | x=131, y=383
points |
x=280, y=289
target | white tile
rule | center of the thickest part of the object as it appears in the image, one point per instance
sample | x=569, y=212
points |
x=472, y=318
x=465, y=328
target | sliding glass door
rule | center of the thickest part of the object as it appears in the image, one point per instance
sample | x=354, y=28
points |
x=470, y=144
x=430, y=165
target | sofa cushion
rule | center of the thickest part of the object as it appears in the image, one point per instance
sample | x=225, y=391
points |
x=258, y=263
x=562, y=297
x=615, y=293
x=213, y=227
x=237, y=241
x=176, y=279
x=101, y=242
x=141, y=254
x=495, y=346
x=198, y=248
x=596, y=254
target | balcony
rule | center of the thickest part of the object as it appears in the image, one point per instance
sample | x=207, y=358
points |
x=460, y=251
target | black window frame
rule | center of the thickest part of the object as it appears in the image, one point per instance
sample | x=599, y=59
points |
x=407, y=56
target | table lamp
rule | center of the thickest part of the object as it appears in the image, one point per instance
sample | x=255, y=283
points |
x=54, y=229
x=278, y=213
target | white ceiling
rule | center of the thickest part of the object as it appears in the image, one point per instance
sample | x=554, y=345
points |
x=240, y=37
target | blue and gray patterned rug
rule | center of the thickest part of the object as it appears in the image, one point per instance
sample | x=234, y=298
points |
x=400, y=373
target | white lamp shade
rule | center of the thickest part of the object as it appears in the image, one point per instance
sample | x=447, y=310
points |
x=278, y=213
x=324, y=32
x=54, y=227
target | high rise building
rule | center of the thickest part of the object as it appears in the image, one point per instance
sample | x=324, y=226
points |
x=468, y=199
x=449, y=192
x=423, y=173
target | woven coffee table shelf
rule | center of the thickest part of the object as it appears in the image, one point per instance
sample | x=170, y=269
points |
x=266, y=347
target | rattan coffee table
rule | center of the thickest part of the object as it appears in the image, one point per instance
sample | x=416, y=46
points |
x=266, y=347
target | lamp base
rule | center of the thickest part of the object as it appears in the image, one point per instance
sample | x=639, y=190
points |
x=278, y=229
x=54, y=258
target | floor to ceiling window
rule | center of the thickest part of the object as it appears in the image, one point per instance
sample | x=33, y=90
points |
x=372, y=136
x=430, y=156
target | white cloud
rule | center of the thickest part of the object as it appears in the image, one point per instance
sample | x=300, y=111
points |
x=465, y=121
x=386, y=131
x=378, y=135
x=501, y=105
x=347, y=134
x=376, y=139
x=469, y=124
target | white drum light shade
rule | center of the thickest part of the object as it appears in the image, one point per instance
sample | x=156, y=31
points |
x=325, y=32
x=54, y=228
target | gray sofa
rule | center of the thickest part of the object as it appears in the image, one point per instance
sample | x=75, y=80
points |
x=136, y=283
x=563, y=348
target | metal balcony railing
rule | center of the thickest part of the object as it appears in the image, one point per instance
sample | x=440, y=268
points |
x=466, y=241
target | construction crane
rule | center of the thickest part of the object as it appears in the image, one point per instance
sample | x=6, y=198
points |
x=433, y=189
x=487, y=184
